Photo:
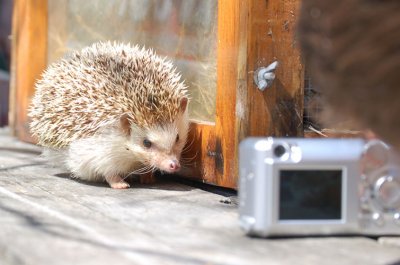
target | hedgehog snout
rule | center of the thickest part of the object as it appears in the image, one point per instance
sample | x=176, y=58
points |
x=174, y=165
x=170, y=165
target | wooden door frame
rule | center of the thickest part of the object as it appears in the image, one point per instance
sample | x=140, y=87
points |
x=251, y=33
x=29, y=59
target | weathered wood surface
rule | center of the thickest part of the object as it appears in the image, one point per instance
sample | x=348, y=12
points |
x=48, y=219
x=277, y=111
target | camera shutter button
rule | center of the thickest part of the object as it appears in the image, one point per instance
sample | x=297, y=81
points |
x=387, y=192
x=378, y=219
x=396, y=218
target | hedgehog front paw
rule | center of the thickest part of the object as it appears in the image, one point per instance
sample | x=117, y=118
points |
x=116, y=182
x=119, y=185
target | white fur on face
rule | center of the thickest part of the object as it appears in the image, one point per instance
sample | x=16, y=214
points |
x=165, y=148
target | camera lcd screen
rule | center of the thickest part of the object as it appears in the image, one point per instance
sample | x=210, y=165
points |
x=310, y=195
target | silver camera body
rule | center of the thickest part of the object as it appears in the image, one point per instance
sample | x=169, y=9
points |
x=297, y=187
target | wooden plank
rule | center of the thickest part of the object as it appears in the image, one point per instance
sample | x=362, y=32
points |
x=278, y=111
x=217, y=145
x=230, y=61
x=196, y=160
x=251, y=34
x=29, y=45
x=48, y=218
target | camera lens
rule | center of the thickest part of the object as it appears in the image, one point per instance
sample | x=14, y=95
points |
x=279, y=150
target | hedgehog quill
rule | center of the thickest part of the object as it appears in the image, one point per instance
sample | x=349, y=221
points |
x=109, y=111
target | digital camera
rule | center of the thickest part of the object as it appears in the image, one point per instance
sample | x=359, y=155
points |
x=298, y=187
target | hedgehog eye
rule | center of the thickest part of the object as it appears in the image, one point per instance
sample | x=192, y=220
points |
x=177, y=138
x=147, y=143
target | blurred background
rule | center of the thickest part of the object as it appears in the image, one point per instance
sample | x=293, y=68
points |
x=5, y=49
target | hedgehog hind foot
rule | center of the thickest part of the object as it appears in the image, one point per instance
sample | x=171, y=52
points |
x=116, y=182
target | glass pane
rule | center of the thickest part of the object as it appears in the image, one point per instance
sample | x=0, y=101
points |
x=183, y=30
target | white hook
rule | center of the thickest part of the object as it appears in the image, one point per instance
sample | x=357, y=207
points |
x=264, y=76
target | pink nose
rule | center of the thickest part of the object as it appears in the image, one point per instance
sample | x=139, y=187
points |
x=174, y=165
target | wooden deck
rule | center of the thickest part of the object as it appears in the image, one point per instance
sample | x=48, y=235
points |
x=48, y=218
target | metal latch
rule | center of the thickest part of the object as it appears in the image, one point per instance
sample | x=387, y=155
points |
x=264, y=76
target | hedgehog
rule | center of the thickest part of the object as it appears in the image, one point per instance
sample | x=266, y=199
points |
x=110, y=111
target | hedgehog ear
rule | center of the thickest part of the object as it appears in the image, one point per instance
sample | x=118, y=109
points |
x=183, y=104
x=125, y=124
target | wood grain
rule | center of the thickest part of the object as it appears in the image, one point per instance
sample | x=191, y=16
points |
x=277, y=111
x=232, y=25
x=49, y=218
x=29, y=47
x=197, y=160
x=217, y=145
x=252, y=34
